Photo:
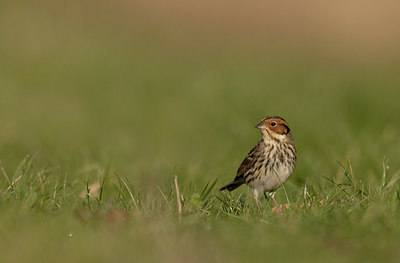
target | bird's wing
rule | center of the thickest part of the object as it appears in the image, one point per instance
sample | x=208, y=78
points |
x=249, y=162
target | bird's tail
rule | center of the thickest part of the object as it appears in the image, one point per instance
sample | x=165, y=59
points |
x=232, y=185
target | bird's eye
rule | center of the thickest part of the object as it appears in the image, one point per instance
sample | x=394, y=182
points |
x=273, y=124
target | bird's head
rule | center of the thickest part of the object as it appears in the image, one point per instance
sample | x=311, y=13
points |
x=274, y=127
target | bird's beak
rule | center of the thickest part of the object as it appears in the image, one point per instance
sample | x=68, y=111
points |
x=261, y=125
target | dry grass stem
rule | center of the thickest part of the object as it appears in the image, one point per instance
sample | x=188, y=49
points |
x=178, y=197
x=163, y=195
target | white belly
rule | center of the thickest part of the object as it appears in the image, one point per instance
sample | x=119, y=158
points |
x=269, y=181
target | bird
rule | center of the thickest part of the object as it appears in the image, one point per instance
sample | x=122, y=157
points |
x=269, y=163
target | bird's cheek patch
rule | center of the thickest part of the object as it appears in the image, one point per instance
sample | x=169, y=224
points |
x=287, y=129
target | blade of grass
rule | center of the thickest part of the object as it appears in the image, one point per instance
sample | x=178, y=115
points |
x=206, y=191
x=128, y=189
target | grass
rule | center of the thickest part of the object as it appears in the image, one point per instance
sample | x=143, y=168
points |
x=52, y=216
x=98, y=118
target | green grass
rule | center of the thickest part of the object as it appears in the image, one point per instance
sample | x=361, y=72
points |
x=97, y=103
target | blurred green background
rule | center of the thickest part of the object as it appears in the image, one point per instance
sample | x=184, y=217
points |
x=150, y=89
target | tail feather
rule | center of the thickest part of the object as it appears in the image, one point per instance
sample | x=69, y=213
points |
x=232, y=185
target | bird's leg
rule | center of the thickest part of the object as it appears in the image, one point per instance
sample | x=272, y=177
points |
x=255, y=195
x=272, y=195
x=265, y=195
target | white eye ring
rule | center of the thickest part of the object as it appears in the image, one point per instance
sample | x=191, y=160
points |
x=273, y=124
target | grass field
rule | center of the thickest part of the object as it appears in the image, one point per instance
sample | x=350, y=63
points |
x=99, y=114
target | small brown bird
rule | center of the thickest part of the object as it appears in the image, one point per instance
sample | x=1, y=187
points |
x=271, y=161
